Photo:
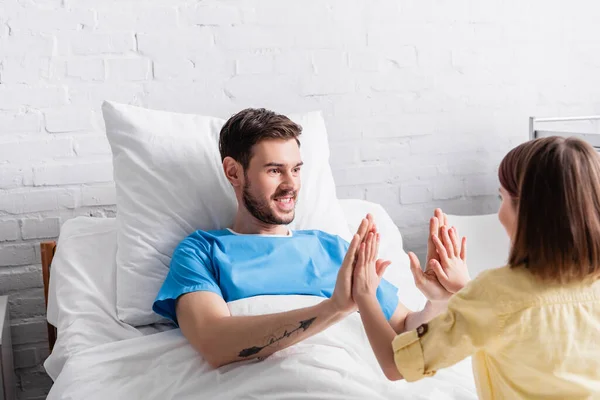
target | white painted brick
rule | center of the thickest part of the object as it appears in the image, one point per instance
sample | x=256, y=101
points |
x=411, y=193
x=410, y=215
x=293, y=60
x=91, y=145
x=40, y=20
x=383, y=11
x=398, y=80
x=27, y=304
x=25, y=70
x=481, y=185
x=73, y=172
x=132, y=17
x=25, y=44
x=442, y=144
x=16, y=96
x=128, y=69
x=17, y=254
x=351, y=105
x=86, y=69
x=68, y=119
x=92, y=95
x=21, y=201
x=256, y=88
x=34, y=149
x=278, y=14
x=384, y=151
x=361, y=175
x=22, y=122
x=255, y=64
x=401, y=126
x=86, y=43
x=448, y=188
x=9, y=230
x=330, y=61
x=351, y=192
x=183, y=43
x=473, y=163
x=34, y=228
x=98, y=195
x=184, y=97
x=175, y=69
x=364, y=61
x=13, y=176
x=343, y=154
x=329, y=37
x=26, y=357
x=411, y=170
x=20, y=278
x=345, y=129
x=210, y=14
x=30, y=330
x=244, y=37
x=383, y=60
x=386, y=195
x=327, y=84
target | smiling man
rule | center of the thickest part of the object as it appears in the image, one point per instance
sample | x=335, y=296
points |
x=259, y=255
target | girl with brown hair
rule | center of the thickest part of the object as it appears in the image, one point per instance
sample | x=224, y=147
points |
x=533, y=326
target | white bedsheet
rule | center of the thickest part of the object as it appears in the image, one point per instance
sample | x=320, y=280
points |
x=335, y=364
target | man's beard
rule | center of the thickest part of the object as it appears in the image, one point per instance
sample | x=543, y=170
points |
x=260, y=209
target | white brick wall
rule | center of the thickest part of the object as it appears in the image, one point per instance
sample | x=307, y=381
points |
x=421, y=99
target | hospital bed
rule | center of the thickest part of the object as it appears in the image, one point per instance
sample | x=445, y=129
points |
x=96, y=356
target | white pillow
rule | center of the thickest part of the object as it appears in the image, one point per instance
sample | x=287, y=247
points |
x=488, y=244
x=170, y=182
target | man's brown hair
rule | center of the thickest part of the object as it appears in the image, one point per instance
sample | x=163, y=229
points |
x=251, y=126
x=555, y=182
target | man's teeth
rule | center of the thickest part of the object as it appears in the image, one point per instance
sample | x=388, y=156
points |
x=285, y=200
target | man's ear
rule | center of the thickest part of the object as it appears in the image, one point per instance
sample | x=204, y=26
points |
x=233, y=171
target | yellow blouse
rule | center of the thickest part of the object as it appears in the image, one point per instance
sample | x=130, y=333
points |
x=528, y=339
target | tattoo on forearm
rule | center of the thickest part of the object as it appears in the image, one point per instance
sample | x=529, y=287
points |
x=303, y=326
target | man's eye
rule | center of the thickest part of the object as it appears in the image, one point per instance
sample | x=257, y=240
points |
x=273, y=171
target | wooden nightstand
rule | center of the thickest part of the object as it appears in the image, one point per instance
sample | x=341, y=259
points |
x=7, y=371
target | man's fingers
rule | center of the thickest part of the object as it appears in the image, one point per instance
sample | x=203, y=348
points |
x=351, y=253
x=415, y=268
x=363, y=229
x=433, y=226
x=381, y=266
x=463, y=249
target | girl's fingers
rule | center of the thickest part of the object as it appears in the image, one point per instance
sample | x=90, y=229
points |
x=454, y=239
x=439, y=271
x=375, y=250
x=441, y=249
x=463, y=249
x=447, y=242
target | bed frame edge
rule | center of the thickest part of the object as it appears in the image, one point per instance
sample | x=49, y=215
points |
x=48, y=248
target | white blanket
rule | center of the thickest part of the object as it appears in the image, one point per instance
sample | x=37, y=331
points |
x=335, y=364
